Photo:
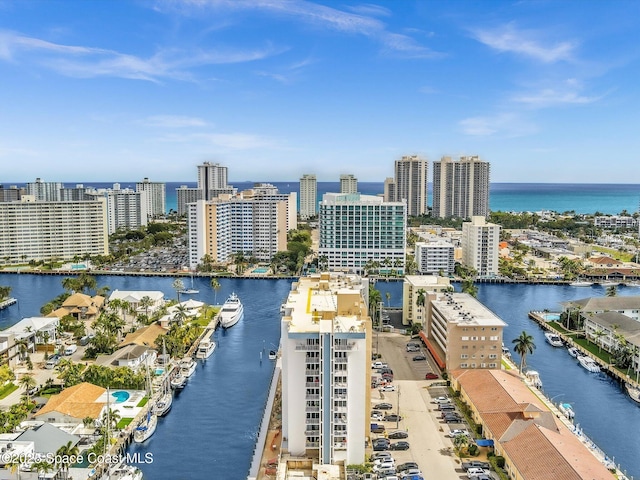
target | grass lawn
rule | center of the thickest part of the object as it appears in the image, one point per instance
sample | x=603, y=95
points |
x=7, y=388
x=613, y=253
x=143, y=402
x=123, y=423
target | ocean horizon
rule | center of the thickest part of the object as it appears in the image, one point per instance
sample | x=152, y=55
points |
x=581, y=198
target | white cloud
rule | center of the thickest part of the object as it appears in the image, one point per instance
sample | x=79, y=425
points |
x=87, y=62
x=229, y=141
x=526, y=43
x=173, y=121
x=503, y=124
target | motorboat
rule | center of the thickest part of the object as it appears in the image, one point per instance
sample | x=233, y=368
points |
x=553, y=339
x=178, y=381
x=163, y=404
x=205, y=349
x=124, y=471
x=574, y=352
x=187, y=367
x=581, y=283
x=633, y=391
x=609, y=283
x=273, y=354
x=231, y=312
x=589, y=363
x=567, y=410
x=533, y=378
x=146, y=428
x=505, y=351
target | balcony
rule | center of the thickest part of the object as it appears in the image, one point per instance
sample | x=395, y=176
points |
x=307, y=348
x=342, y=347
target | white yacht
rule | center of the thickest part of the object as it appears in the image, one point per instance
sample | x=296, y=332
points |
x=581, y=283
x=567, y=410
x=146, y=428
x=187, y=367
x=124, y=472
x=205, y=348
x=178, y=381
x=553, y=339
x=589, y=363
x=634, y=392
x=231, y=312
x=533, y=378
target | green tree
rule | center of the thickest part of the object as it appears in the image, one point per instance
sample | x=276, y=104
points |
x=420, y=302
x=523, y=345
x=28, y=382
x=611, y=291
x=215, y=285
x=68, y=454
x=178, y=286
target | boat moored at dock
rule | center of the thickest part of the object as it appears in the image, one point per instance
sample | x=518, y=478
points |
x=567, y=410
x=553, y=339
x=633, y=391
x=589, y=364
x=205, y=348
x=533, y=378
x=232, y=311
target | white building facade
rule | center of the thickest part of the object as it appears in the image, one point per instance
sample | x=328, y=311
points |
x=348, y=183
x=186, y=195
x=44, y=231
x=480, y=246
x=156, y=196
x=308, y=196
x=44, y=191
x=435, y=256
x=355, y=229
x=326, y=351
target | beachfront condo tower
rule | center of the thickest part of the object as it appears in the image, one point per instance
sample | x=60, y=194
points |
x=308, y=196
x=460, y=188
x=156, y=196
x=348, y=183
x=212, y=180
x=326, y=352
x=359, y=231
x=480, y=246
x=411, y=184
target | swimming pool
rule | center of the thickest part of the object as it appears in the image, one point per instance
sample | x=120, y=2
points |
x=159, y=371
x=260, y=270
x=120, y=396
x=551, y=317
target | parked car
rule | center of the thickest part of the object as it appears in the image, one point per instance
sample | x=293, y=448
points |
x=386, y=370
x=456, y=431
x=383, y=406
x=384, y=466
x=377, y=416
x=419, y=358
x=446, y=407
x=475, y=472
x=475, y=464
x=375, y=456
x=431, y=376
x=453, y=419
x=406, y=466
x=402, y=445
x=441, y=400
x=380, y=447
x=398, y=434
x=33, y=390
x=377, y=428
x=379, y=365
x=410, y=472
x=392, y=418
x=413, y=348
x=387, y=388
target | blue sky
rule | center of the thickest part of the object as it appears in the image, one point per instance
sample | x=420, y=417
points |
x=547, y=91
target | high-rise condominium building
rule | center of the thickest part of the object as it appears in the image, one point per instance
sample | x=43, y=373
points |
x=44, y=191
x=156, y=196
x=358, y=230
x=348, y=184
x=435, y=255
x=326, y=351
x=389, y=192
x=480, y=246
x=411, y=183
x=308, y=196
x=212, y=179
x=460, y=188
x=11, y=193
x=254, y=223
x=126, y=209
x=186, y=195
x=45, y=231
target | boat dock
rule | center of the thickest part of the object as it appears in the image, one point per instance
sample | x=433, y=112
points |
x=7, y=303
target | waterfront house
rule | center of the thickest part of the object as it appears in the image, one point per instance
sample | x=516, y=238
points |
x=132, y=356
x=135, y=297
x=21, y=338
x=80, y=306
x=145, y=336
x=534, y=443
x=73, y=405
x=47, y=438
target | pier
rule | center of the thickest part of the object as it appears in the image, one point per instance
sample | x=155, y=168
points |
x=7, y=303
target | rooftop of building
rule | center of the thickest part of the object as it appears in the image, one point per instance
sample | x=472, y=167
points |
x=327, y=302
x=463, y=309
x=427, y=281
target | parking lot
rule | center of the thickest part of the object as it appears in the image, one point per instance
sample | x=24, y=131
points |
x=413, y=399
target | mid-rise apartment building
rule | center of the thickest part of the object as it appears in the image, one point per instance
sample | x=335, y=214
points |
x=46, y=231
x=411, y=183
x=480, y=246
x=126, y=209
x=435, y=255
x=461, y=332
x=308, y=196
x=460, y=188
x=326, y=374
x=356, y=229
x=12, y=193
x=44, y=191
x=186, y=195
x=156, y=196
x=348, y=183
x=417, y=291
x=254, y=223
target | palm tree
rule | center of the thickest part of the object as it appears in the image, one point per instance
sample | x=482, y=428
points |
x=523, y=345
x=469, y=287
x=420, y=302
x=388, y=297
x=42, y=467
x=598, y=334
x=28, y=382
x=215, y=284
x=178, y=286
x=611, y=291
x=460, y=441
x=67, y=453
x=181, y=314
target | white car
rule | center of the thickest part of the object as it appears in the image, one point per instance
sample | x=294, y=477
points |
x=377, y=416
x=384, y=466
x=411, y=472
x=474, y=472
x=387, y=388
x=441, y=400
x=377, y=365
x=454, y=433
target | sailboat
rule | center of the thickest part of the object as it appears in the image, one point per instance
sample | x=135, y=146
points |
x=190, y=291
x=147, y=427
x=163, y=404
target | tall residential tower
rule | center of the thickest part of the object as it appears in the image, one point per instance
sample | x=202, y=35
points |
x=411, y=184
x=460, y=188
x=308, y=196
